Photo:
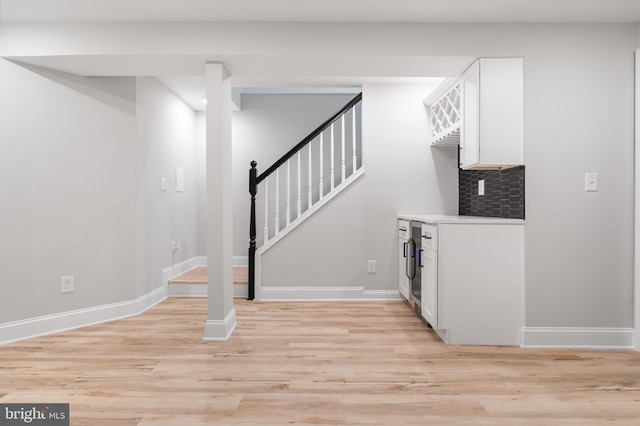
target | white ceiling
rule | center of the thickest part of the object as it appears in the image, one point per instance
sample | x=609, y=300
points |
x=440, y=11
x=191, y=88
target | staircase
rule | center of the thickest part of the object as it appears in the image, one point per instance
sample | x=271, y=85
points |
x=193, y=283
x=302, y=181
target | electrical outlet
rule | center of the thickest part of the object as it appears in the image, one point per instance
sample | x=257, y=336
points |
x=481, y=187
x=66, y=284
x=371, y=266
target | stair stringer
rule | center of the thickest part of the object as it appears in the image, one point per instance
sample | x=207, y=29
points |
x=297, y=222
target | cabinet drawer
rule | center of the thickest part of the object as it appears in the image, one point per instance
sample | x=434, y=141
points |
x=404, y=229
x=429, y=236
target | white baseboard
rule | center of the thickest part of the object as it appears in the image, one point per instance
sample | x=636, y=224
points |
x=578, y=338
x=50, y=324
x=216, y=330
x=385, y=295
x=326, y=294
x=240, y=260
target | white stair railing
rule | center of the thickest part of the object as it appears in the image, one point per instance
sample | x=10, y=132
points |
x=314, y=171
x=314, y=181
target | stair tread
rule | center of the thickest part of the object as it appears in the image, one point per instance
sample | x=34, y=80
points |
x=198, y=275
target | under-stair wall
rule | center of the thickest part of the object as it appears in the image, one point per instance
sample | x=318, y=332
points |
x=326, y=257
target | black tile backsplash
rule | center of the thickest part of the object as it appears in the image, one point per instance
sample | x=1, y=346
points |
x=503, y=193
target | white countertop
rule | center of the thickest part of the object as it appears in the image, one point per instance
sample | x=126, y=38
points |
x=459, y=219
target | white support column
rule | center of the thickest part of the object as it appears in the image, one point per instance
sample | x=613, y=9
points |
x=288, y=211
x=221, y=319
x=321, y=183
x=636, y=256
x=342, y=142
x=353, y=140
x=332, y=158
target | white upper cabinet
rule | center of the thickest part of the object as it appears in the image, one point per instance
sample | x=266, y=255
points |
x=470, y=143
x=492, y=131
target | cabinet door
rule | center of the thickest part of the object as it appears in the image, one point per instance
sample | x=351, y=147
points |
x=430, y=287
x=403, y=280
x=470, y=129
x=404, y=231
x=501, y=111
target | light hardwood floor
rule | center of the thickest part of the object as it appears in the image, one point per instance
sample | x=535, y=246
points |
x=365, y=363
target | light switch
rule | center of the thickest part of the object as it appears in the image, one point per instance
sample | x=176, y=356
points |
x=481, y=187
x=163, y=184
x=591, y=182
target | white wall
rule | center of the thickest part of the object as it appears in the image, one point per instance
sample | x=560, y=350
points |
x=67, y=166
x=201, y=182
x=402, y=175
x=166, y=139
x=578, y=118
x=267, y=127
x=81, y=164
x=579, y=245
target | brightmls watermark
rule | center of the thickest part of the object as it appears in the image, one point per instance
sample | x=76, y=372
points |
x=34, y=414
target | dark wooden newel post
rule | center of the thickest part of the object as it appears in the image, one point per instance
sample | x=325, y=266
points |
x=253, y=190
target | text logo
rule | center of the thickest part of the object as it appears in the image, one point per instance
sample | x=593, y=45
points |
x=34, y=414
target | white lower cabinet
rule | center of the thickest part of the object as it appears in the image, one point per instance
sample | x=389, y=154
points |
x=404, y=231
x=480, y=282
x=429, y=282
x=472, y=279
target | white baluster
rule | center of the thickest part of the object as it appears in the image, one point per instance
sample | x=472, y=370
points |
x=332, y=155
x=288, y=211
x=277, y=218
x=353, y=140
x=310, y=192
x=266, y=209
x=321, y=184
x=344, y=168
x=299, y=204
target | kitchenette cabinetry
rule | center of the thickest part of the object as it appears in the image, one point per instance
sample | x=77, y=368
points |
x=404, y=231
x=492, y=130
x=472, y=278
x=429, y=265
